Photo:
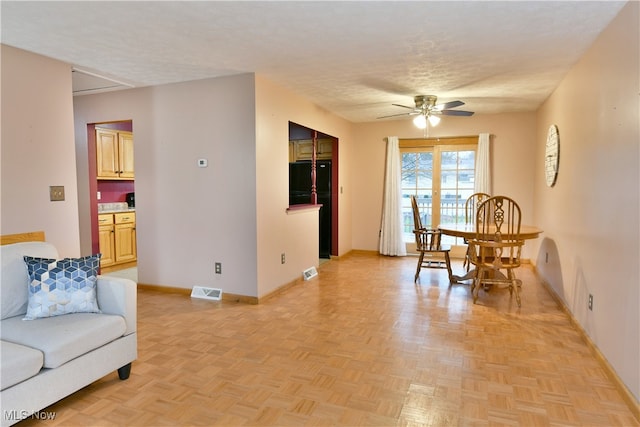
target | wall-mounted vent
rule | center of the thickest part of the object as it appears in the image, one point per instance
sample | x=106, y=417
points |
x=206, y=293
x=309, y=273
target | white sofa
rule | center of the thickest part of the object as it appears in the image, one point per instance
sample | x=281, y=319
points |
x=47, y=359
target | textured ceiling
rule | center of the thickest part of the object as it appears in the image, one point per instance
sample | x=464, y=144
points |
x=352, y=58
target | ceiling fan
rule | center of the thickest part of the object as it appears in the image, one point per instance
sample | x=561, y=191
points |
x=427, y=109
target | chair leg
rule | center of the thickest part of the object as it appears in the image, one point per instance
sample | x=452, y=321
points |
x=420, y=260
x=515, y=286
x=476, y=287
x=447, y=261
x=510, y=277
x=467, y=260
x=475, y=284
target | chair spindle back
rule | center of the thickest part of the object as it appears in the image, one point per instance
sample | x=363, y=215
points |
x=471, y=206
x=498, y=216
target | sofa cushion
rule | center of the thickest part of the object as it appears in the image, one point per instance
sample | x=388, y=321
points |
x=63, y=338
x=18, y=363
x=62, y=287
x=14, y=280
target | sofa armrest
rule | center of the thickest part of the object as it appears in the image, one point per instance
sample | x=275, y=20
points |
x=119, y=296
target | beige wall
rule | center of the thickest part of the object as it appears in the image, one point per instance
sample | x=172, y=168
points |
x=188, y=217
x=294, y=234
x=597, y=111
x=591, y=216
x=233, y=211
x=512, y=164
x=38, y=149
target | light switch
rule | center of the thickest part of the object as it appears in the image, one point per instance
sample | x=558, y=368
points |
x=56, y=193
x=202, y=163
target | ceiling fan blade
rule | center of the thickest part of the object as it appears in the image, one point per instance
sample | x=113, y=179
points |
x=426, y=105
x=413, y=113
x=404, y=106
x=447, y=105
x=454, y=113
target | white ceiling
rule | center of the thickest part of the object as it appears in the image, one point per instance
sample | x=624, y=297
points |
x=353, y=58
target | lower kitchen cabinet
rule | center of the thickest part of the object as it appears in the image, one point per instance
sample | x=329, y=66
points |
x=117, y=233
x=106, y=240
x=125, y=237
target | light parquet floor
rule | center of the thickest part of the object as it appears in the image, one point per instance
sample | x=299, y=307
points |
x=359, y=345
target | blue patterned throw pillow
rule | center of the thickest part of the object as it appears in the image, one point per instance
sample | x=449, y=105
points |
x=64, y=286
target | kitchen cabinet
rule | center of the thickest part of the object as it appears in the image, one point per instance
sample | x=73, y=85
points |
x=125, y=237
x=106, y=240
x=114, y=154
x=117, y=237
x=303, y=149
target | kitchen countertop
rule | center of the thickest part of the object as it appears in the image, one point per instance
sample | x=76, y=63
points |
x=106, y=208
x=117, y=211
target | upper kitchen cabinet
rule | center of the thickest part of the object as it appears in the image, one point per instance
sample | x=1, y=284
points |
x=114, y=151
x=303, y=149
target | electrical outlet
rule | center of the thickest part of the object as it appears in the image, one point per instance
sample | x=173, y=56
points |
x=282, y=258
x=56, y=193
x=590, y=302
x=218, y=267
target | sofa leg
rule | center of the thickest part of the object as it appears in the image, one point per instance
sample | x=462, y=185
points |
x=124, y=372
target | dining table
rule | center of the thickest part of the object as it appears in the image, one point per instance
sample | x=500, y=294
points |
x=468, y=231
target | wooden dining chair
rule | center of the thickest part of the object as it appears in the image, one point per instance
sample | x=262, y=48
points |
x=471, y=206
x=428, y=244
x=497, y=245
x=470, y=209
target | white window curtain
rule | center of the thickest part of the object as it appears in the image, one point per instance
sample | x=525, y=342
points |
x=391, y=242
x=483, y=173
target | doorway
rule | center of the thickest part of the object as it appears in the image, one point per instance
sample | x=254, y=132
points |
x=313, y=177
x=111, y=196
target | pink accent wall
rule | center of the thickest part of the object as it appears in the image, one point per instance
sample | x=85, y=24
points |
x=114, y=191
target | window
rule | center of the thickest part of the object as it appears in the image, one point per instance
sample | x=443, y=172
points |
x=440, y=173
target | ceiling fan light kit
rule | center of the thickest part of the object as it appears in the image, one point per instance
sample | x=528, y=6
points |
x=420, y=121
x=434, y=120
x=426, y=110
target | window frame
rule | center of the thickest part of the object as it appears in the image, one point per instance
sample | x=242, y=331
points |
x=437, y=146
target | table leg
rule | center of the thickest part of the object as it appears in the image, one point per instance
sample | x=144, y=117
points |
x=471, y=274
x=468, y=276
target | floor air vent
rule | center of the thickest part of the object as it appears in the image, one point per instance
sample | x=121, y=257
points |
x=309, y=273
x=206, y=293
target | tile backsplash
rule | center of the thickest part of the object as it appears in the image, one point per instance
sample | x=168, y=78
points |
x=110, y=207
